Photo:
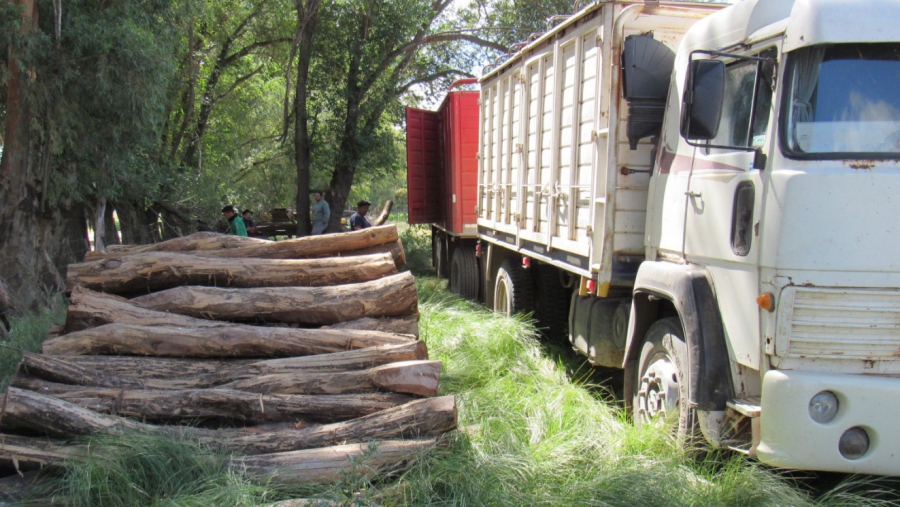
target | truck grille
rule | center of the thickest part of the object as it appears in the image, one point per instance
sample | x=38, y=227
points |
x=839, y=323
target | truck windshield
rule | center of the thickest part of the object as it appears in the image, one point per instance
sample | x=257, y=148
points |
x=844, y=102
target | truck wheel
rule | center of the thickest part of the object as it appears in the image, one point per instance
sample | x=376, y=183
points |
x=513, y=290
x=464, y=279
x=551, y=309
x=439, y=255
x=663, y=380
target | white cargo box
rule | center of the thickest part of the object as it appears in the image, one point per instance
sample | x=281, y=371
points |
x=557, y=180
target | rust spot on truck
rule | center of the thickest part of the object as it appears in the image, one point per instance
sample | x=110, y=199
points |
x=860, y=164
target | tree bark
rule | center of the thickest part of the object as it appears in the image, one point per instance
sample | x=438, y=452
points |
x=90, y=309
x=391, y=296
x=158, y=374
x=153, y=367
x=399, y=325
x=385, y=213
x=419, y=378
x=331, y=464
x=153, y=271
x=307, y=16
x=59, y=418
x=17, y=450
x=21, y=188
x=196, y=241
x=232, y=341
x=219, y=404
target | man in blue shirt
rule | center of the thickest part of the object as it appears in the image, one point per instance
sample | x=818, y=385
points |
x=358, y=220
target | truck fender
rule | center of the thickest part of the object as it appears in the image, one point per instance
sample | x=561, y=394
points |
x=662, y=287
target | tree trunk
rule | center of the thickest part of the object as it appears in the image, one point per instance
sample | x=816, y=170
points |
x=231, y=341
x=153, y=271
x=21, y=188
x=420, y=378
x=168, y=406
x=59, y=418
x=90, y=309
x=398, y=325
x=331, y=464
x=111, y=236
x=153, y=373
x=152, y=367
x=99, y=225
x=385, y=213
x=391, y=296
x=307, y=16
x=196, y=241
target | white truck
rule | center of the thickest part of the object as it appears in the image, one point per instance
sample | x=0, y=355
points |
x=709, y=199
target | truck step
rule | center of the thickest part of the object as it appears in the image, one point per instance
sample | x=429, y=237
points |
x=749, y=407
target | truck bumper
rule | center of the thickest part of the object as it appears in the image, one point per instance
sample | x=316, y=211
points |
x=789, y=438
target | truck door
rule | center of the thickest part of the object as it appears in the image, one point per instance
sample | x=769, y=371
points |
x=724, y=201
x=424, y=177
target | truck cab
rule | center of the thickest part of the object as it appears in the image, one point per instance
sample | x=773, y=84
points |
x=771, y=242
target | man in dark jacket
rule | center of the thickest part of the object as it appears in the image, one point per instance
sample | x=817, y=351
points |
x=236, y=224
x=358, y=220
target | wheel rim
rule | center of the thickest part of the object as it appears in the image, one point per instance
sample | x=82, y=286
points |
x=501, y=298
x=658, y=392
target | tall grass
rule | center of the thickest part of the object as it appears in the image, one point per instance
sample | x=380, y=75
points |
x=28, y=332
x=528, y=435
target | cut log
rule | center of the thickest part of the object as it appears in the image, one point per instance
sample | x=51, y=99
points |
x=196, y=241
x=392, y=296
x=309, y=247
x=211, y=370
x=408, y=325
x=220, y=404
x=331, y=464
x=419, y=378
x=89, y=309
x=55, y=369
x=230, y=341
x=153, y=367
x=153, y=271
x=385, y=213
x=16, y=450
x=416, y=419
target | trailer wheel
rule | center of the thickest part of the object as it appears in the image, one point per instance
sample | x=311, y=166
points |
x=662, y=386
x=513, y=290
x=551, y=309
x=464, y=273
x=439, y=254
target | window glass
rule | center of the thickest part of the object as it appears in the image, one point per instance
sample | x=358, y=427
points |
x=844, y=100
x=748, y=101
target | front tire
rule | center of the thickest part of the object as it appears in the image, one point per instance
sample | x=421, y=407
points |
x=513, y=290
x=662, y=386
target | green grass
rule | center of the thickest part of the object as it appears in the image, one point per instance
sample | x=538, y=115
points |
x=28, y=332
x=528, y=435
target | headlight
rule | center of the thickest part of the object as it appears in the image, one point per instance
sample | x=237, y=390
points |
x=854, y=443
x=823, y=407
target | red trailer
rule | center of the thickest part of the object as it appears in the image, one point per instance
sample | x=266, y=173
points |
x=442, y=179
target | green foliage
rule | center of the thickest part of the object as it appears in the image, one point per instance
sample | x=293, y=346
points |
x=140, y=470
x=27, y=335
x=417, y=246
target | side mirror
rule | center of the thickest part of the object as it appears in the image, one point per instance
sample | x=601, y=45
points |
x=701, y=106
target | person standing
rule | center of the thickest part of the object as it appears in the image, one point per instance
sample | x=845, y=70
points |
x=236, y=224
x=247, y=217
x=321, y=214
x=358, y=220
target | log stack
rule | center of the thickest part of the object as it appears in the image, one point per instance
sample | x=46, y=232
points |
x=301, y=358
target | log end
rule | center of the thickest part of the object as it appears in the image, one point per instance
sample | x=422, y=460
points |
x=420, y=378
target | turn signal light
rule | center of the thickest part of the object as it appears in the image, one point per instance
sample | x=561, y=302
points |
x=526, y=262
x=766, y=301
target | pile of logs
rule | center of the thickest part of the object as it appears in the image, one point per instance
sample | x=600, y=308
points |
x=301, y=357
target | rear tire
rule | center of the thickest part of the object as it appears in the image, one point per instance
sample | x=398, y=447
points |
x=551, y=309
x=464, y=274
x=439, y=255
x=662, y=385
x=513, y=290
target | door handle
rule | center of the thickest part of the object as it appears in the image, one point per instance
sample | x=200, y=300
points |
x=693, y=194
